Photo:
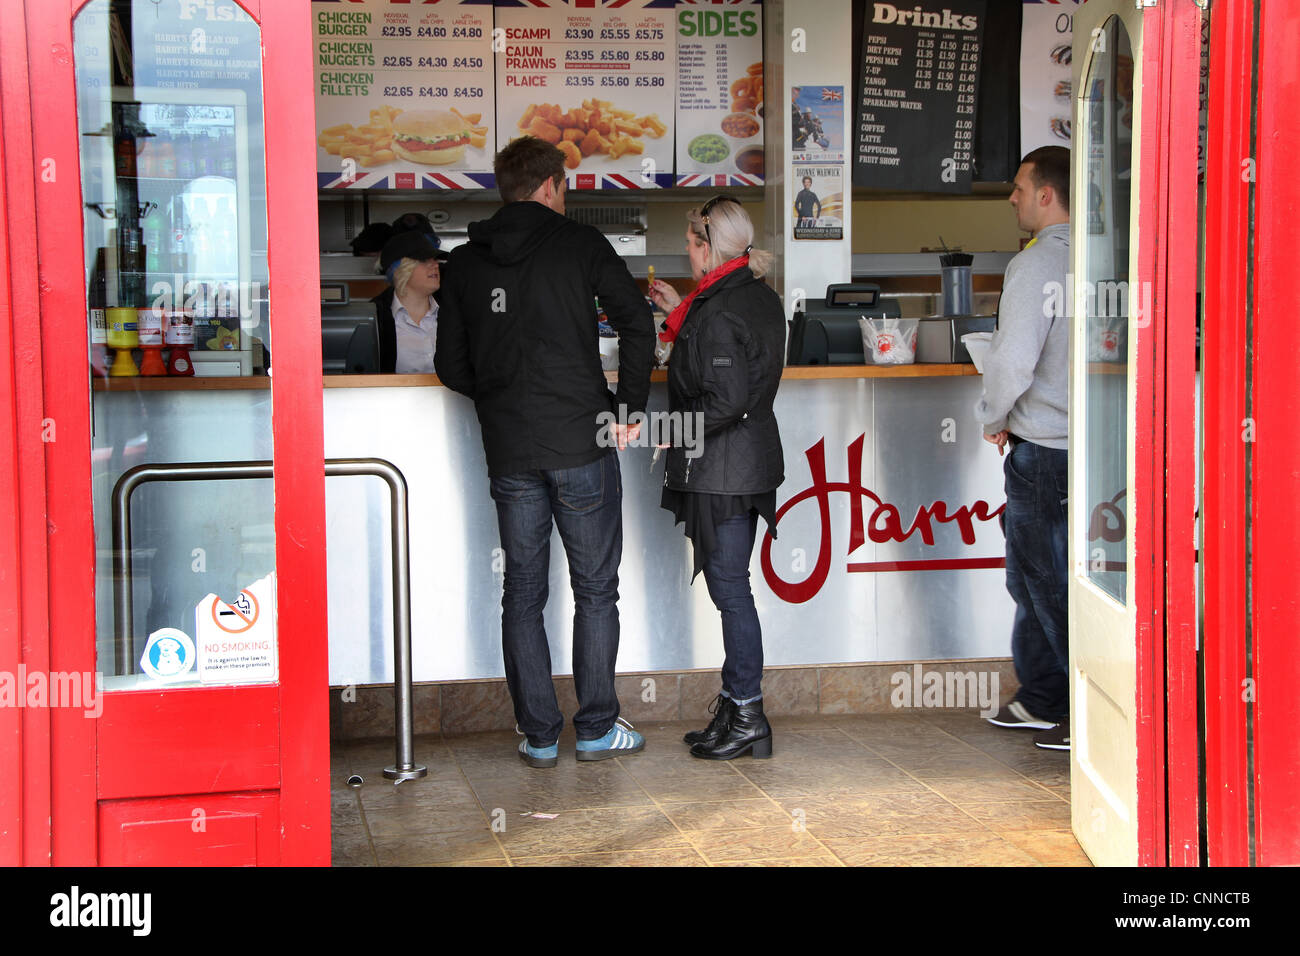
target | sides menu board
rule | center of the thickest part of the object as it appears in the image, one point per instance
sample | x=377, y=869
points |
x=404, y=94
x=598, y=81
x=916, y=121
x=720, y=93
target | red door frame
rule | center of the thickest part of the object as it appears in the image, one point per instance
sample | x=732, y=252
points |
x=1164, y=442
x=1223, y=550
x=1174, y=585
x=24, y=636
x=65, y=751
x=1275, y=406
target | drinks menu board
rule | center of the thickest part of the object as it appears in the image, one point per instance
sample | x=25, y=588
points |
x=404, y=94
x=720, y=106
x=916, y=120
x=598, y=81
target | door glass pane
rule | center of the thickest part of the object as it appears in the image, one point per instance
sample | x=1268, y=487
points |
x=1108, y=140
x=169, y=108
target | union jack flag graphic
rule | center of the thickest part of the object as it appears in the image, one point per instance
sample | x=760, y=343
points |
x=831, y=96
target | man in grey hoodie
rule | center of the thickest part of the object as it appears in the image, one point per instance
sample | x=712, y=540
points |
x=1024, y=407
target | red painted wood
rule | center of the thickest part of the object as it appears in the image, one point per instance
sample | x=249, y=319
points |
x=1147, y=525
x=189, y=740
x=210, y=829
x=1223, y=363
x=24, y=404
x=296, y=401
x=1274, y=499
x=1179, y=253
x=64, y=372
x=11, y=766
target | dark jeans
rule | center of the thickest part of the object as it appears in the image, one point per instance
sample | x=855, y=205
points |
x=1038, y=577
x=586, y=504
x=726, y=572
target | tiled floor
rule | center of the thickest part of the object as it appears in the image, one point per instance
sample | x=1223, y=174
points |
x=893, y=790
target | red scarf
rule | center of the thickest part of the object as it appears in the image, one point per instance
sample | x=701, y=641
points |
x=673, y=323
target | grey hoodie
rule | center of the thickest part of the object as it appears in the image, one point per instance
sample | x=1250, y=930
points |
x=1027, y=371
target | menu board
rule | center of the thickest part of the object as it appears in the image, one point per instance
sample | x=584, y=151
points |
x=720, y=93
x=404, y=94
x=598, y=81
x=916, y=117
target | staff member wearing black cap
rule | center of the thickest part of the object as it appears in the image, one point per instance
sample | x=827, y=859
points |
x=406, y=313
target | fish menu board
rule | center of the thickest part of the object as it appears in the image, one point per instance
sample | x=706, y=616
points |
x=720, y=106
x=404, y=94
x=598, y=81
x=915, y=127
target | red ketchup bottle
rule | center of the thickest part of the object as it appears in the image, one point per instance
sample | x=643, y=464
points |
x=178, y=331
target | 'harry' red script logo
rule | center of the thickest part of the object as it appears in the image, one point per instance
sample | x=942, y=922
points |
x=884, y=524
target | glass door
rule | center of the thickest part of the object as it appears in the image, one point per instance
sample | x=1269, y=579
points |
x=1103, y=620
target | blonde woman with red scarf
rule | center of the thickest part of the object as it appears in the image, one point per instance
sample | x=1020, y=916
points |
x=728, y=343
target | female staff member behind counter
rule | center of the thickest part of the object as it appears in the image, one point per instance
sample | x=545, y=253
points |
x=406, y=313
x=726, y=365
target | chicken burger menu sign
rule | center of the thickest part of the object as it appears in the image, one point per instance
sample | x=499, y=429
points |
x=404, y=94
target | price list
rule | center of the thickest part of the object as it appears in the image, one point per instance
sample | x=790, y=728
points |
x=720, y=95
x=401, y=91
x=599, y=83
x=915, y=126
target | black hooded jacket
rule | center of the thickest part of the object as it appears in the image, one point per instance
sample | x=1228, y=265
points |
x=517, y=333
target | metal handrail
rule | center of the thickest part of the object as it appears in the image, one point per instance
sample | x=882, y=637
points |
x=123, y=624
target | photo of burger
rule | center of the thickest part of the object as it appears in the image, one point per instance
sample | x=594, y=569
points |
x=431, y=137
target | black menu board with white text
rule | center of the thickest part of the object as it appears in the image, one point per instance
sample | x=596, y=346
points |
x=915, y=125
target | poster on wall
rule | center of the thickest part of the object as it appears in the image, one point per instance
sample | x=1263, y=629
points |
x=597, y=81
x=818, y=208
x=915, y=127
x=720, y=109
x=1046, y=57
x=817, y=124
x=404, y=94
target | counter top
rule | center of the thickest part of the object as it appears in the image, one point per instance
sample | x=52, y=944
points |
x=177, y=384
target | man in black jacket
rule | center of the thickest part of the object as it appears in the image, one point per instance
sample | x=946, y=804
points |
x=517, y=333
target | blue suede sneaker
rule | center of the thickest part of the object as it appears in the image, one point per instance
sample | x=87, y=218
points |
x=621, y=741
x=541, y=757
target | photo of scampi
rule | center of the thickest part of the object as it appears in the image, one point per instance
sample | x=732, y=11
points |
x=428, y=137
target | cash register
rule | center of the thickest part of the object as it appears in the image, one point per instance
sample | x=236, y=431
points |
x=826, y=332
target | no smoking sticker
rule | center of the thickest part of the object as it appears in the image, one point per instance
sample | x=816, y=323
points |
x=236, y=640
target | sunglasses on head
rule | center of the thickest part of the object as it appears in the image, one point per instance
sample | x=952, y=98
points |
x=704, y=212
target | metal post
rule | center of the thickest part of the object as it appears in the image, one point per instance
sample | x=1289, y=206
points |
x=123, y=622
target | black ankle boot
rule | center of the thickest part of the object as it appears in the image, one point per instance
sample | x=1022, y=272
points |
x=722, y=708
x=747, y=732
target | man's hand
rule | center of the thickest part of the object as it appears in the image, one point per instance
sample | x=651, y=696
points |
x=1000, y=439
x=624, y=434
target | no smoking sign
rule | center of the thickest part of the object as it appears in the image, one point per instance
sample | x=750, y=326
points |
x=236, y=639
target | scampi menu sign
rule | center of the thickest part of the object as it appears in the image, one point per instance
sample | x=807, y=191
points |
x=915, y=126
x=597, y=80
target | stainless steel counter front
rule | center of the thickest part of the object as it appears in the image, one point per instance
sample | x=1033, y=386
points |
x=910, y=429
x=891, y=440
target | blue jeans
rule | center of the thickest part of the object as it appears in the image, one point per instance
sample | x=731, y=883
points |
x=726, y=572
x=1038, y=577
x=586, y=504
